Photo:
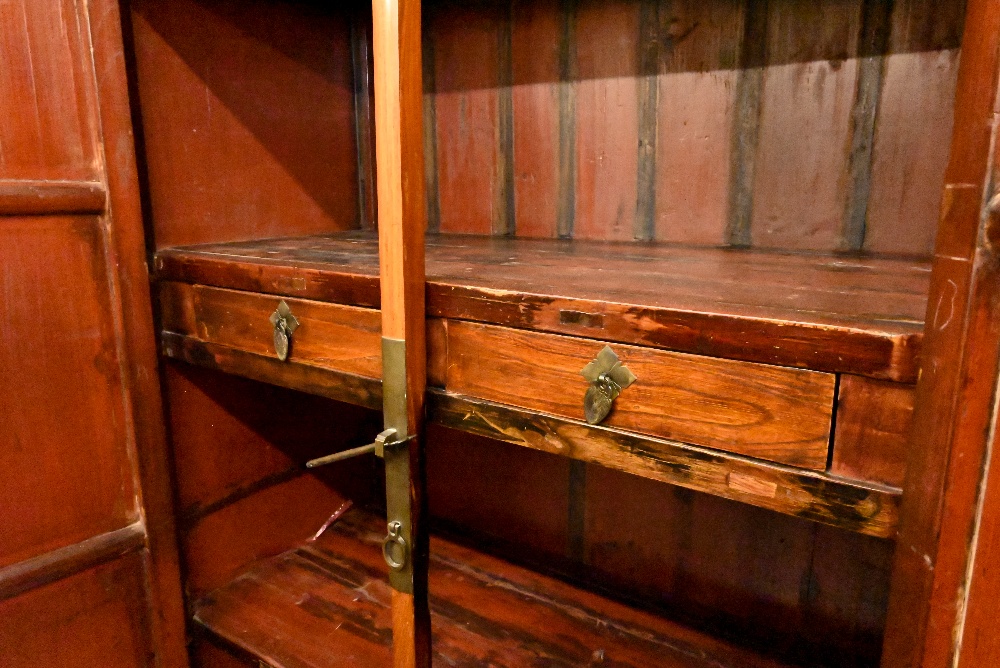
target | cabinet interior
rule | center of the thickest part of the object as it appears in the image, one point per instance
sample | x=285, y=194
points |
x=753, y=181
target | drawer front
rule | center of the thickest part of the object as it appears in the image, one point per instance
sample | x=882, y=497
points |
x=774, y=413
x=330, y=336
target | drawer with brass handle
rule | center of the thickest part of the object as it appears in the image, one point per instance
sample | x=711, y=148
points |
x=287, y=336
x=773, y=413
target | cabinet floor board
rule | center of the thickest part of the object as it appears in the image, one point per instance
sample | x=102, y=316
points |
x=327, y=604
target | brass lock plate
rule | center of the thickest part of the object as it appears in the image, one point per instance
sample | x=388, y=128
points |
x=607, y=377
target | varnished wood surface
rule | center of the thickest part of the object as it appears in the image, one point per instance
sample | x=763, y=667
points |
x=711, y=559
x=70, y=560
x=853, y=505
x=955, y=404
x=70, y=478
x=52, y=197
x=268, y=369
x=239, y=449
x=865, y=508
x=785, y=125
x=829, y=313
x=402, y=224
x=93, y=618
x=874, y=419
x=247, y=116
x=331, y=336
x=777, y=414
x=326, y=604
x=48, y=121
x=86, y=582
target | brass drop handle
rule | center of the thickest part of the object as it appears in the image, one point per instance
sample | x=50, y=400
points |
x=284, y=323
x=607, y=377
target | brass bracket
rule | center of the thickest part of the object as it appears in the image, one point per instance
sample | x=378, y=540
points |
x=607, y=377
x=284, y=324
x=399, y=542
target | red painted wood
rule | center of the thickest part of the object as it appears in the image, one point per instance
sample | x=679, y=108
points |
x=69, y=478
x=248, y=119
x=535, y=96
x=800, y=184
x=606, y=121
x=694, y=148
x=90, y=619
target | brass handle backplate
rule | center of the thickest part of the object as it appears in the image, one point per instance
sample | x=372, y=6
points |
x=607, y=377
x=284, y=324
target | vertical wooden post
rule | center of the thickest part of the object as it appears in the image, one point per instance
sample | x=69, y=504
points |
x=955, y=404
x=402, y=221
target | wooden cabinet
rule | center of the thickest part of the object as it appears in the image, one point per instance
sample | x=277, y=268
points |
x=431, y=217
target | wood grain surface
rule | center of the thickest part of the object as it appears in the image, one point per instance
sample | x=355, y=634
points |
x=247, y=119
x=955, y=403
x=829, y=313
x=784, y=126
x=402, y=224
x=330, y=336
x=93, y=618
x=873, y=430
x=777, y=414
x=60, y=355
x=326, y=604
x=865, y=508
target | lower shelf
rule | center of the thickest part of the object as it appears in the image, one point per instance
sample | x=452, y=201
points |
x=327, y=604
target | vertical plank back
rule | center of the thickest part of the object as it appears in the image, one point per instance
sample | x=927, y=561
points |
x=774, y=124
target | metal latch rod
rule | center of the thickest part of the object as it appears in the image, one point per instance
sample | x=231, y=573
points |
x=387, y=437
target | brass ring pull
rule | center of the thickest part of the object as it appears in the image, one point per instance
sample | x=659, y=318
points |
x=395, y=538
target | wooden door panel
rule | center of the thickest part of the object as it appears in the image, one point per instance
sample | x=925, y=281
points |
x=92, y=618
x=47, y=128
x=64, y=440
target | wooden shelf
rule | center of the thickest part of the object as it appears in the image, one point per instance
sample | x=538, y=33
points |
x=849, y=504
x=336, y=353
x=326, y=604
x=847, y=314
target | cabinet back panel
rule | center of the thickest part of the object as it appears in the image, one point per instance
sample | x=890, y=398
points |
x=248, y=119
x=784, y=124
x=789, y=587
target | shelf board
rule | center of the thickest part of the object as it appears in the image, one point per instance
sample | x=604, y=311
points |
x=326, y=604
x=848, y=504
x=838, y=313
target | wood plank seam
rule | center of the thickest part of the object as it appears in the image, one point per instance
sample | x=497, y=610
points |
x=363, y=121
x=567, y=121
x=504, y=211
x=430, y=130
x=873, y=42
x=746, y=122
x=648, y=90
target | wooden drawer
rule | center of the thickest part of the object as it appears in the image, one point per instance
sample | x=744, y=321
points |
x=774, y=413
x=333, y=337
